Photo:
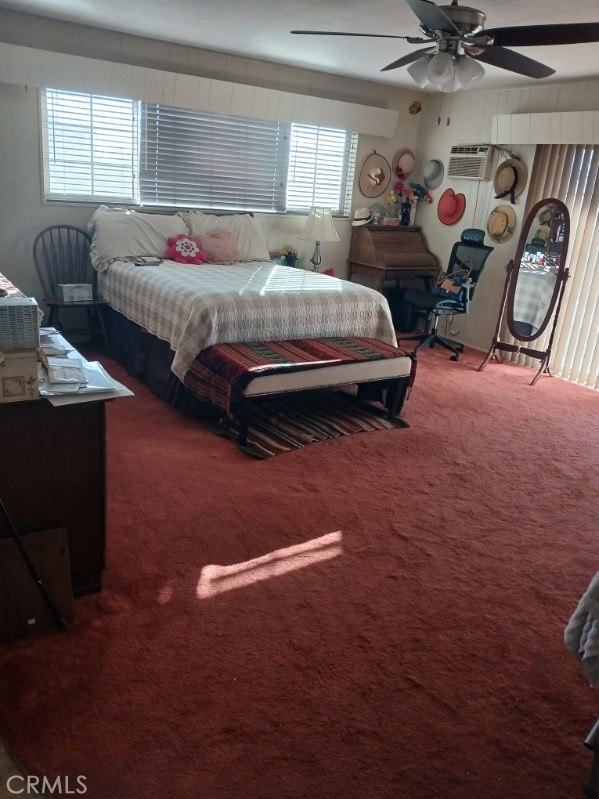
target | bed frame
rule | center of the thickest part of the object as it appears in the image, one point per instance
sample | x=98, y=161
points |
x=147, y=358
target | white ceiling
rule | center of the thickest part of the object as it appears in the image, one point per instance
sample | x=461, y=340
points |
x=260, y=29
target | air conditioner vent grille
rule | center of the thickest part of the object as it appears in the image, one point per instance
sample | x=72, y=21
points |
x=470, y=161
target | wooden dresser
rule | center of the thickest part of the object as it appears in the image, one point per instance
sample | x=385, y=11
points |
x=52, y=474
x=379, y=254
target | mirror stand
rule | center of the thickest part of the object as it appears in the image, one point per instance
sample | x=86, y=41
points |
x=534, y=285
x=503, y=346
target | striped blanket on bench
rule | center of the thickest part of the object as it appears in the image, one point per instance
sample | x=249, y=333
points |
x=220, y=374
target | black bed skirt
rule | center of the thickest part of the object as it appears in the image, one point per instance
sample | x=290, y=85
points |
x=148, y=359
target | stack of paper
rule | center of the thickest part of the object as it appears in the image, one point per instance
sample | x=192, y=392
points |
x=67, y=377
x=52, y=343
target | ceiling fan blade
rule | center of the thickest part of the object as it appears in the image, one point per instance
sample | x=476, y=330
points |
x=531, y=35
x=432, y=17
x=408, y=59
x=370, y=35
x=514, y=62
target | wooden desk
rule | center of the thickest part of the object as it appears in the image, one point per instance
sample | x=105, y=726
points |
x=53, y=474
x=379, y=254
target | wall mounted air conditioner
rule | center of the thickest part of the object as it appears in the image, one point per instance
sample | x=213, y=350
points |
x=470, y=161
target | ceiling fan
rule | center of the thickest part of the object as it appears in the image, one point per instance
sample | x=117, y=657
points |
x=459, y=41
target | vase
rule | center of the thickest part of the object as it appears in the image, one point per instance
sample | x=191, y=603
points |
x=405, y=216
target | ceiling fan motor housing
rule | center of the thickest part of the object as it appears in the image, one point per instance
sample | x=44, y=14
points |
x=469, y=21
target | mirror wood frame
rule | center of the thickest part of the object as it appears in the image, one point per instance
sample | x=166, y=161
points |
x=506, y=313
x=532, y=221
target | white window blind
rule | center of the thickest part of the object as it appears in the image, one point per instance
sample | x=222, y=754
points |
x=100, y=148
x=192, y=158
x=321, y=168
x=90, y=147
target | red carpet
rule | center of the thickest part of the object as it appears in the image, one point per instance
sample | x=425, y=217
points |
x=390, y=624
x=298, y=420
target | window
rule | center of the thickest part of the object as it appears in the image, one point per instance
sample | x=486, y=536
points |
x=190, y=158
x=321, y=168
x=90, y=147
x=111, y=150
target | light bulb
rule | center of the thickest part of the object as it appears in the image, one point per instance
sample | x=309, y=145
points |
x=440, y=69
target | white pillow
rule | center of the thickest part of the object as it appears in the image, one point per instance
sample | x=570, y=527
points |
x=120, y=233
x=250, y=238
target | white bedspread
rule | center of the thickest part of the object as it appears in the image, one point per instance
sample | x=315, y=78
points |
x=194, y=307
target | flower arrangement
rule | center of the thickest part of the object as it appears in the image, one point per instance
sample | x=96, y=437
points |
x=403, y=196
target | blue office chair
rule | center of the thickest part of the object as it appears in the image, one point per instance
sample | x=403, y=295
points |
x=466, y=262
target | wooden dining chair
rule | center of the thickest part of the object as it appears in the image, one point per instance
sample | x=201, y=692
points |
x=61, y=254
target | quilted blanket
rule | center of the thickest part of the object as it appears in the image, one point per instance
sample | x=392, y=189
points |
x=194, y=307
x=533, y=295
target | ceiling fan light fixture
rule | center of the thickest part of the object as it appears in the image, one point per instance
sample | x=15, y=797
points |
x=418, y=71
x=440, y=69
x=468, y=71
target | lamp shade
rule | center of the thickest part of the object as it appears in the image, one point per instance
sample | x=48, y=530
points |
x=468, y=71
x=440, y=69
x=418, y=71
x=319, y=226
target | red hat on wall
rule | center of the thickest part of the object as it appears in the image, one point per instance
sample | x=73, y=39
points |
x=451, y=207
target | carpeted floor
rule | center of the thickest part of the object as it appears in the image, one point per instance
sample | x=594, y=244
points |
x=281, y=424
x=370, y=617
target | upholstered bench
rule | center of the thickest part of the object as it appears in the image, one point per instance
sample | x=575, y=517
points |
x=232, y=376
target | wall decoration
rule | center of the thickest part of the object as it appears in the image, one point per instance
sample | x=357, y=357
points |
x=451, y=207
x=374, y=175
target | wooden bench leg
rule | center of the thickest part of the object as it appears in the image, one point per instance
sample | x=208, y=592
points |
x=244, y=421
x=591, y=785
x=396, y=394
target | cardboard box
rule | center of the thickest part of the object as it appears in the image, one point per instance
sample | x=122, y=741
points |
x=18, y=376
x=75, y=292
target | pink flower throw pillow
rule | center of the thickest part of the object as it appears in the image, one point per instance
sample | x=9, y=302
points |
x=221, y=247
x=184, y=250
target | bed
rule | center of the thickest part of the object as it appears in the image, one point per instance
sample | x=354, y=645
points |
x=163, y=317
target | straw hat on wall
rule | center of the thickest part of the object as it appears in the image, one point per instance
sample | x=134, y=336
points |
x=510, y=180
x=501, y=223
x=374, y=175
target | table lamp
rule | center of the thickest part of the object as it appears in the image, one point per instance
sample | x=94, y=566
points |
x=319, y=227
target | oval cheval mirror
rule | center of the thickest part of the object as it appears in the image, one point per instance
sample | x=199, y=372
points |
x=535, y=283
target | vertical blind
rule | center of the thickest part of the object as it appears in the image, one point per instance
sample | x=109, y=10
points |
x=570, y=173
